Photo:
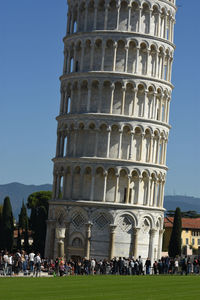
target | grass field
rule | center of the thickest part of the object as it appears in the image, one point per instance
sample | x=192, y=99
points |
x=101, y=287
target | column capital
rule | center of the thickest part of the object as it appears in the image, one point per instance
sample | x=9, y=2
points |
x=113, y=228
x=89, y=225
x=152, y=232
x=136, y=230
x=105, y=173
x=161, y=231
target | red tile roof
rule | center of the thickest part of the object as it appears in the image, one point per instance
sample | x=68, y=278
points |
x=186, y=223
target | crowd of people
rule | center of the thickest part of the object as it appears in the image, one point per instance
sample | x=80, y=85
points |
x=22, y=263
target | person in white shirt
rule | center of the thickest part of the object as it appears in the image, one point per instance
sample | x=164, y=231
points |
x=5, y=259
x=31, y=261
x=93, y=264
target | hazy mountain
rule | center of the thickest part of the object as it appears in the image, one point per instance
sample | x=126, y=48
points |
x=17, y=192
x=184, y=202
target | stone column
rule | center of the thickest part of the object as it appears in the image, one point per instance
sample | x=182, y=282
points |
x=165, y=27
x=118, y=12
x=152, y=233
x=106, y=15
x=157, y=150
x=60, y=236
x=123, y=99
x=72, y=21
x=79, y=97
x=114, y=56
x=129, y=17
x=58, y=144
x=78, y=19
x=131, y=145
x=155, y=192
x=58, y=185
x=103, y=55
x=137, y=60
x=68, y=22
x=162, y=193
x=62, y=91
x=86, y=17
x=128, y=190
x=112, y=97
x=89, y=97
x=135, y=242
x=108, y=143
x=68, y=61
x=112, y=241
x=75, y=53
x=126, y=59
x=150, y=190
x=54, y=185
x=92, y=186
x=92, y=55
x=81, y=184
x=159, y=19
x=75, y=142
x=161, y=231
x=120, y=144
x=100, y=97
x=147, y=200
x=141, y=148
x=162, y=70
x=147, y=61
x=134, y=100
x=116, y=188
x=64, y=184
x=95, y=15
x=139, y=18
x=105, y=186
x=88, y=239
x=96, y=142
x=82, y=55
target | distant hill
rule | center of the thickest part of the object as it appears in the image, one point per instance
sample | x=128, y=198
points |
x=184, y=202
x=17, y=192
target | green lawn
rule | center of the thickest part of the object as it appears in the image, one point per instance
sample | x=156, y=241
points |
x=101, y=287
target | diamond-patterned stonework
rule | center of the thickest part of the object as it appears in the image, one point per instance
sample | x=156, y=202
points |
x=125, y=223
x=101, y=221
x=78, y=220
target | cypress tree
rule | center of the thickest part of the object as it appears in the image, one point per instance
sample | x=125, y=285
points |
x=7, y=225
x=175, y=240
x=23, y=217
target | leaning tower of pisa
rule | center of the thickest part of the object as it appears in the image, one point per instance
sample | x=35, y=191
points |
x=110, y=164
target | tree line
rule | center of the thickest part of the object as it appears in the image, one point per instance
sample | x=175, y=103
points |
x=37, y=204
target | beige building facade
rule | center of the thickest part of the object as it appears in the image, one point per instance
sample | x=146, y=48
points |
x=113, y=126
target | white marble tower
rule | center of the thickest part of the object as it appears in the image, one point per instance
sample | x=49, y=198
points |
x=113, y=126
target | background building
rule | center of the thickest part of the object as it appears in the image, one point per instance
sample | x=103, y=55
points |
x=113, y=126
x=190, y=235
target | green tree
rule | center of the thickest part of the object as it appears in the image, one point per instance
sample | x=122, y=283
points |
x=175, y=239
x=7, y=225
x=23, y=217
x=38, y=203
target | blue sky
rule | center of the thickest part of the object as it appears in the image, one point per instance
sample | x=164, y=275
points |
x=31, y=61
